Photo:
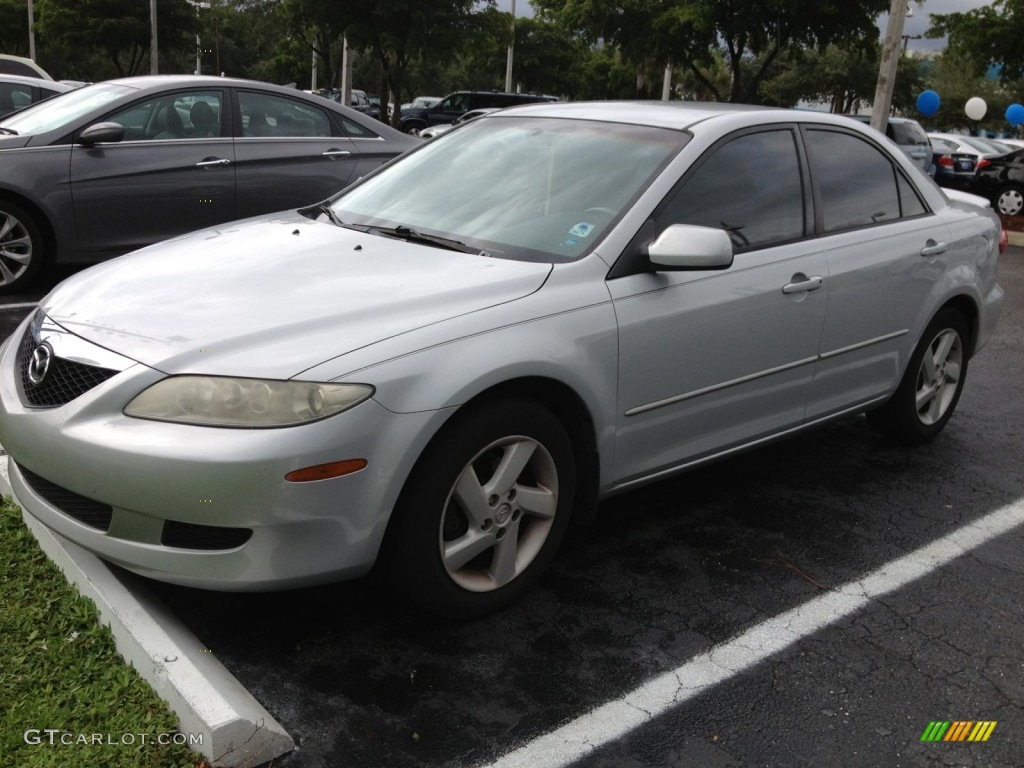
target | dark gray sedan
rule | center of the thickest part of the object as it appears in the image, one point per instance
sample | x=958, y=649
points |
x=112, y=167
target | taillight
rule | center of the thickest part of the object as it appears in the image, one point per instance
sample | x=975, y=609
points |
x=946, y=161
x=1004, y=242
x=982, y=163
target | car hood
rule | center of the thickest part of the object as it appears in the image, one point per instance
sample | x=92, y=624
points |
x=274, y=296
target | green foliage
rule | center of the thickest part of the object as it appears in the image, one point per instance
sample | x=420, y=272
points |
x=990, y=35
x=955, y=78
x=97, y=39
x=59, y=669
x=14, y=27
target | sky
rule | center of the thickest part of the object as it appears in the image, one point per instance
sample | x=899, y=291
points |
x=916, y=25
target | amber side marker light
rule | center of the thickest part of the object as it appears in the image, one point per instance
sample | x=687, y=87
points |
x=325, y=471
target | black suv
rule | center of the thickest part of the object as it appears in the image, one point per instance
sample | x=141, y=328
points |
x=452, y=106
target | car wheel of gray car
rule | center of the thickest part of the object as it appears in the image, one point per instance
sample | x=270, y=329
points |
x=484, y=511
x=413, y=129
x=21, y=251
x=931, y=386
x=1009, y=201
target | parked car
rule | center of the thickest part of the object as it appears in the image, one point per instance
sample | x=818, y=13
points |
x=954, y=169
x=476, y=342
x=454, y=105
x=17, y=92
x=981, y=147
x=436, y=130
x=910, y=137
x=1001, y=180
x=19, y=65
x=104, y=169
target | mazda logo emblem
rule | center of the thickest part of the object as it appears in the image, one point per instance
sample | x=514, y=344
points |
x=39, y=365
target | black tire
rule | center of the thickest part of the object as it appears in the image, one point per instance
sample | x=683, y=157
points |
x=21, y=248
x=1009, y=200
x=506, y=543
x=931, y=385
x=413, y=128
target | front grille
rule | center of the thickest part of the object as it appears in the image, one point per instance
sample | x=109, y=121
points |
x=64, y=381
x=192, y=536
x=95, y=514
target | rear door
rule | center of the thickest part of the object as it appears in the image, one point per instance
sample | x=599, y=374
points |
x=166, y=177
x=289, y=153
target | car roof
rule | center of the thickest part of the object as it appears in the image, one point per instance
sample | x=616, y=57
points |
x=678, y=115
x=38, y=81
x=27, y=63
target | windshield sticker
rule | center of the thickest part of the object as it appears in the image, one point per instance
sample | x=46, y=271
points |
x=582, y=229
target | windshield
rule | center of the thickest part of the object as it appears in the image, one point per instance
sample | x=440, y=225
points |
x=62, y=109
x=532, y=189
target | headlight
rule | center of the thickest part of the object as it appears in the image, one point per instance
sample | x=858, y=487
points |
x=218, y=401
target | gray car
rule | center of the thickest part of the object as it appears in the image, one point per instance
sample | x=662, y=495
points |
x=114, y=166
x=19, y=92
x=474, y=344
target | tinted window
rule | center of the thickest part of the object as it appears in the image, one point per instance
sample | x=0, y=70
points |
x=856, y=181
x=265, y=114
x=908, y=133
x=910, y=203
x=189, y=115
x=14, y=96
x=750, y=187
x=355, y=130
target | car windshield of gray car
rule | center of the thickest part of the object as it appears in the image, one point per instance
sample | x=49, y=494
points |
x=524, y=188
x=62, y=109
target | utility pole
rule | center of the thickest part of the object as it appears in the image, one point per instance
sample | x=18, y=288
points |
x=511, y=45
x=154, y=67
x=890, y=63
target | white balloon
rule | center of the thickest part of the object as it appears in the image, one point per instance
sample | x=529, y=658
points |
x=976, y=108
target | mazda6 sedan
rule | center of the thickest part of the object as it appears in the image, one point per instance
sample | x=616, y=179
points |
x=115, y=166
x=439, y=369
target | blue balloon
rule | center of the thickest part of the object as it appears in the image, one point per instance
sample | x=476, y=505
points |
x=928, y=103
x=1015, y=114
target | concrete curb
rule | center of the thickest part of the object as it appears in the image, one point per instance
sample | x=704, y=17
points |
x=1015, y=238
x=209, y=702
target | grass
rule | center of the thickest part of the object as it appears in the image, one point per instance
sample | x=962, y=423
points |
x=59, y=670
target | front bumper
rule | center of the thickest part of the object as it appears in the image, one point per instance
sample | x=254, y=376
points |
x=150, y=473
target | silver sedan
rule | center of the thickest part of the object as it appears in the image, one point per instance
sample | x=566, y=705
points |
x=439, y=369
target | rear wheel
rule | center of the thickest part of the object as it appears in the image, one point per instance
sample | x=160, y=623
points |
x=414, y=127
x=484, y=511
x=21, y=248
x=931, y=386
x=1010, y=201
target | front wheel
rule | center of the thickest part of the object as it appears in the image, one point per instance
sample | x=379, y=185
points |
x=484, y=511
x=21, y=248
x=931, y=385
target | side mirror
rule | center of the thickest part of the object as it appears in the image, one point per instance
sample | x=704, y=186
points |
x=685, y=246
x=101, y=133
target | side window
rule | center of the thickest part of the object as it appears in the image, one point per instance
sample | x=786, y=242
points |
x=750, y=187
x=910, y=202
x=355, y=130
x=856, y=181
x=195, y=115
x=14, y=97
x=269, y=115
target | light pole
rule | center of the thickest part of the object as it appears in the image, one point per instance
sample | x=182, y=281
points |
x=887, y=69
x=511, y=45
x=31, y=32
x=154, y=67
x=197, y=6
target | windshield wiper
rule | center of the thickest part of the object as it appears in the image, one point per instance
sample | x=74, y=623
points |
x=8, y=131
x=326, y=209
x=411, y=235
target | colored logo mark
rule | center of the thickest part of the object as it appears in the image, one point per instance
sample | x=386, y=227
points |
x=958, y=730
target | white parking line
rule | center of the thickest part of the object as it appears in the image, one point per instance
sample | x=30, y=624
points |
x=615, y=719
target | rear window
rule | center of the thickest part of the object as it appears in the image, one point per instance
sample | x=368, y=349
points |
x=907, y=133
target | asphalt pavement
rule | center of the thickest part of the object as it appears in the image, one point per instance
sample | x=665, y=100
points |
x=674, y=574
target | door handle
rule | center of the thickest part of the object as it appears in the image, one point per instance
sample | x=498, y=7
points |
x=932, y=248
x=213, y=162
x=336, y=153
x=803, y=284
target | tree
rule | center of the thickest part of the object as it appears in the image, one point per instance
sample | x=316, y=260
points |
x=990, y=35
x=750, y=34
x=14, y=27
x=73, y=30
